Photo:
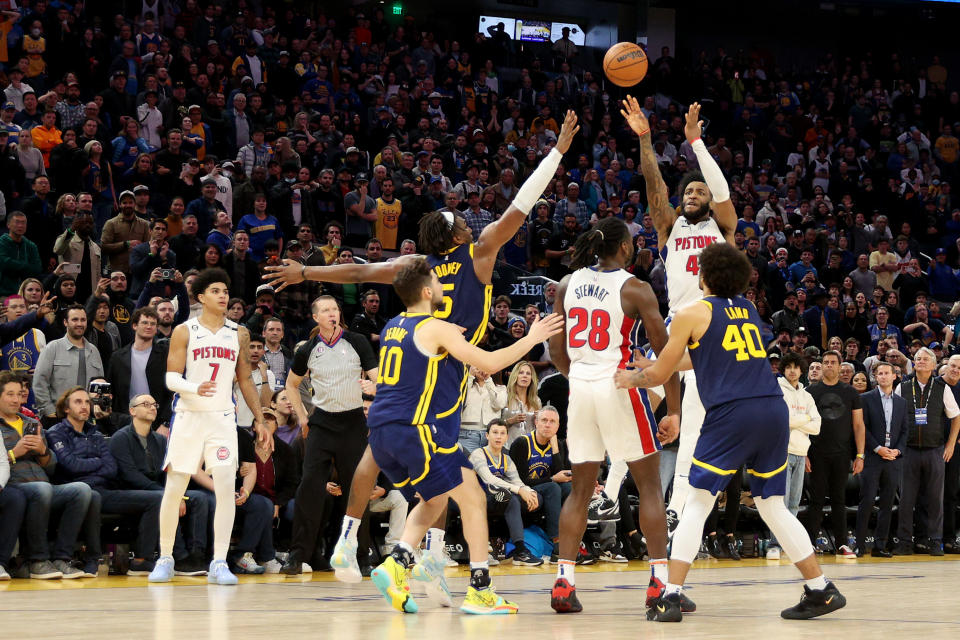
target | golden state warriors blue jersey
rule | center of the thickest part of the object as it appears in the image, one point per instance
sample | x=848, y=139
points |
x=466, y=303
x=729, y=359
x=411, y=384
x=466, y=300
x=540, y=458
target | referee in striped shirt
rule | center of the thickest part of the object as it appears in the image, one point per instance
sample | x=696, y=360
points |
x=336, y=432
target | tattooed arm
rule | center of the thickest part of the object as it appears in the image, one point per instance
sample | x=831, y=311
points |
x=658, y=197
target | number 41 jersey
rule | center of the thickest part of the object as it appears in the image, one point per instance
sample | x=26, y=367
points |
x=210, y=356
x=729, y=359
x=600, y=336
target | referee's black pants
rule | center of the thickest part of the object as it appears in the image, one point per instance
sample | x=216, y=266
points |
x=336, y=440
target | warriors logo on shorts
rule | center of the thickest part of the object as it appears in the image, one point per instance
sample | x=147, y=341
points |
x=223, y=453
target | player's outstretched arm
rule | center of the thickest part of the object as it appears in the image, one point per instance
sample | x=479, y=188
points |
x=558, y=343
x=658, y=196
x=641, y=297
x=292, y=272
x=249, y=392
x=438, y=335
x=687, y=326
x=496, y=234
x=723, y=210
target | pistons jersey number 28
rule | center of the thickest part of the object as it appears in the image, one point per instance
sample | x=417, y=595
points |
x=600, y=336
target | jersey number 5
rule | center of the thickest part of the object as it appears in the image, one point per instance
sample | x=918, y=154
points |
x=693, y=265
x=446, y=306
x=744, y=339
x=599, y=322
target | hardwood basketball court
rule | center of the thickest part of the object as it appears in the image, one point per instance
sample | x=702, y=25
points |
x=912, y=597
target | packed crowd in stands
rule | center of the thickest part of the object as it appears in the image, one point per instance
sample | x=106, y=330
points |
x=144, y=141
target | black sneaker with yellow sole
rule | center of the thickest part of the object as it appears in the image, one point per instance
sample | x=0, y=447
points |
x=667, y=608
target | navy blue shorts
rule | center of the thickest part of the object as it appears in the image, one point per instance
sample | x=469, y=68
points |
x=753, y=432
x=415, y=462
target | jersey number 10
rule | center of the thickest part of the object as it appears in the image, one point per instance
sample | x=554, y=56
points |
x=388, y=371
x=599, y=322
x=745, y=340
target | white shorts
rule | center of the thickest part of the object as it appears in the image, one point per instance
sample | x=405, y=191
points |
x=210, y=436
x=602, y=419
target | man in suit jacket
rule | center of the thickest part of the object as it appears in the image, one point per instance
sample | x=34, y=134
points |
x=885, y=419
x=127, y=373
x=819, y=314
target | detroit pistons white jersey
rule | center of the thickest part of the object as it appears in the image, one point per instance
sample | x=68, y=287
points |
x=211, y=356
x=681, y=259
x=599, y=335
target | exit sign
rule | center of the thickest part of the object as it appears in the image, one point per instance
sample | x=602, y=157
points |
x=397, y=10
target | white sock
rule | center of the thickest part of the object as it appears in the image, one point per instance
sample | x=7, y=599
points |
x=673, y=588
x=615, y=478
x=170, y=510
x=817, y=584
x=565, y=570
x=659, y=569
x=406, y=547
x=480, y=565
x=348, y=529
x=434, y=540
x=224, y=478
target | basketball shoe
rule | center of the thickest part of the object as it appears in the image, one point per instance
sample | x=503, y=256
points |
x=390, y=578
x=655, y=591
x=163, y=570
x=666, y=608
x=344, y=561
x=563, y=597
x=219, y=573
x=429, y=572
x=486, y=602
x=815, y=602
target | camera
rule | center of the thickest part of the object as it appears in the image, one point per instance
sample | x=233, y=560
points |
x=102, y=393
x=167, y=274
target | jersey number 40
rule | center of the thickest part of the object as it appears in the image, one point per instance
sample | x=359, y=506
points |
x=598, y=322
x=745, y=340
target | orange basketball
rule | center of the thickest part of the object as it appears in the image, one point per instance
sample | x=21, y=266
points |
x=625, y=64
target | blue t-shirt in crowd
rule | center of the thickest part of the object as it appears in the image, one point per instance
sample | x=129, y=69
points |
x=260, y=231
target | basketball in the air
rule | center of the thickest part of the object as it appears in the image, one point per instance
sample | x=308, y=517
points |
x=625, y=64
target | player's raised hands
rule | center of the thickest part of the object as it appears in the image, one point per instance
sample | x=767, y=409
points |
x=547, y=326
x=694, y=126
x=633, y=114
x=567, y=131
x=280, y=276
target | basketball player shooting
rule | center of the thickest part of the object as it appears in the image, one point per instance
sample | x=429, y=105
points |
x=681, y=237
x=206, y=354
x=746, y=423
